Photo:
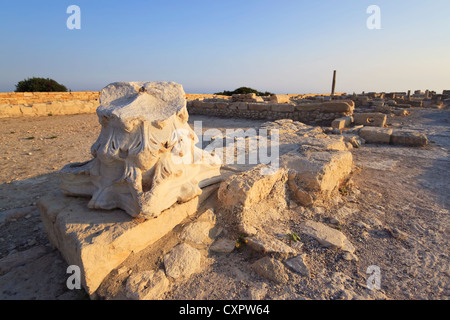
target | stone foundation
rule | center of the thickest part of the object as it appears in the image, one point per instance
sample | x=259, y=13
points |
x=48, y=109
x=32, y=104
x=97, y=241
x=311, y=113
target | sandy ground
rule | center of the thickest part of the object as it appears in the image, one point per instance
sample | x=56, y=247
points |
x=397, y=187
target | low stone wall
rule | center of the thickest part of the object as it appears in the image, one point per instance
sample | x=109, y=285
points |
x=57, y=108
x=19, y=104
x=200, y=96
x=312, y=113
x=29, y=98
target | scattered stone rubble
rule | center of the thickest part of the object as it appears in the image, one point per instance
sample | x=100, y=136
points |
x=248, y=208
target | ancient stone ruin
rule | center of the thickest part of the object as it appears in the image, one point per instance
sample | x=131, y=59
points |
x=145, y=165
x=145, y=159
x=148, y=180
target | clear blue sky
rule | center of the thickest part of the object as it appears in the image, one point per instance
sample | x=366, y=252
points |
x=208, y=46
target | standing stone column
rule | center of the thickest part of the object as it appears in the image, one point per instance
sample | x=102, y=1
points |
x=333, y=86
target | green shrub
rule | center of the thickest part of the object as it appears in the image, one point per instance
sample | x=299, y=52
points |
x=243, y=90
x=39, y=85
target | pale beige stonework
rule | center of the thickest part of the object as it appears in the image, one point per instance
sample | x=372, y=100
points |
x=376, y=135
x=370, y=119
x=280, y=98
x=145, y=158
x=327, y=236
x=97, y=240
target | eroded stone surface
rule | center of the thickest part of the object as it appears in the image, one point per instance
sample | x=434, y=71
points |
x=327, y=236
x=298, y=264
x=145, y=158
x=246, y=189
x=264, y=243
x=370, y=119
x=147, y=285
x=376, y=135
x=316, y=174
x=408, y=138
x=271, y=269
x=223, y=245
x=196, y=231
x=97, y=240
x=182, y=261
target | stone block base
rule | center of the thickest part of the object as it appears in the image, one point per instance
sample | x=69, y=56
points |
x=98, y=241
x=370, y=119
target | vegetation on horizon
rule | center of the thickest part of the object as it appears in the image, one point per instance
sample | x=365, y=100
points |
x=243, y=90
x=39, y=85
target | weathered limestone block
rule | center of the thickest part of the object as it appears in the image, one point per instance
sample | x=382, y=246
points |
x=221, y=105
x=335, y=142
x=408, y=138
x=377, y=103
x=246, y=189
x=26, y=110
x=315, y=175
x=197, y=104
x=342, y=123
x=259, y=106
x=7, y=111
x=223, y=245
x=237, y=106
x=327, y=236
x=97, y=240
x=299, y=265
x=317, y=172
x=246, y=97
x=282, y=107
x=44, y=108
x=401, y=112
x=370, y=119
x=384, y=109
x=182, y=261
x=391, y=102
x=308, y=107
x=207, y=105
x=280, y=98
x=376, y=135
x=264, y=243
x=341, y=106
x=196, y=232
x=271, y=269
x=145, y=158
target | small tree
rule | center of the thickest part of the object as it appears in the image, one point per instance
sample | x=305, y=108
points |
x=39, y=85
